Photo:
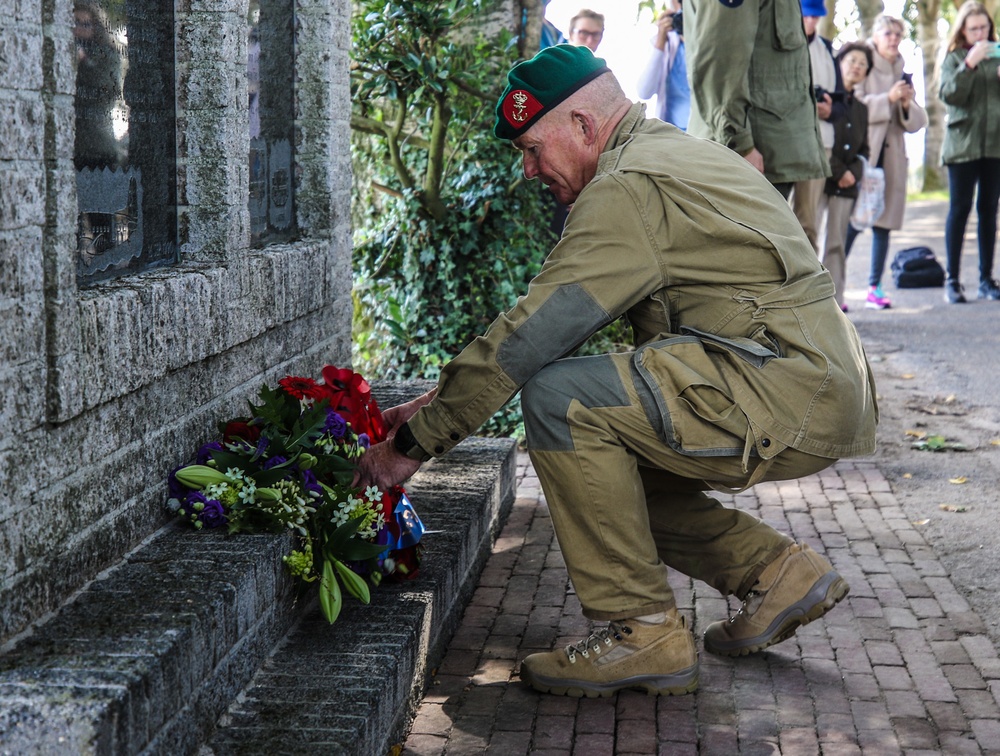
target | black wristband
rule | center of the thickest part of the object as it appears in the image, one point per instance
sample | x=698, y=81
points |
x=407, y=445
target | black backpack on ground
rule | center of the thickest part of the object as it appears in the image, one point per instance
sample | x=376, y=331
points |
x=915, y=268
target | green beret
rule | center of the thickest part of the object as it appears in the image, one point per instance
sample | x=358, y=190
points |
x=536, y=86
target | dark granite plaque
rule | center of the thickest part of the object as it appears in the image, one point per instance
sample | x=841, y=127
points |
x=271, y=84
x=125, y=150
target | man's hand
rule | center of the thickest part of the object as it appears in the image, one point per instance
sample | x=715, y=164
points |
x=824, y=107
x=755, y=159
x=384, y=467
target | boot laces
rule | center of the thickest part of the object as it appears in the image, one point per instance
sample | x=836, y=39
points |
x=751, y=603
x=597, y=641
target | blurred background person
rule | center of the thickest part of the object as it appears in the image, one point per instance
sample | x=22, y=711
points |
x=850, y=144
x=586, y=29
x=99, y=76
x=751, y=88
x=970, y=89
x=808, y=195
x=892, y=112
x=665, y=74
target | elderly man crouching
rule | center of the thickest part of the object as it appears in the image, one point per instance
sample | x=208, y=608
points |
x=744, y=370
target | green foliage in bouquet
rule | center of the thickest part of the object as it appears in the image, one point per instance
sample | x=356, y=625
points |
x=290, y=466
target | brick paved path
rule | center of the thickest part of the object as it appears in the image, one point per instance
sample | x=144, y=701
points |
x=902, y=666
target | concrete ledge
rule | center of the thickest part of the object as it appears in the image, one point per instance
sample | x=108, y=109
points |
x=352, y=687
x=150, y=655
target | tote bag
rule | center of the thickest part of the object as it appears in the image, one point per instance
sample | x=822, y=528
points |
x=871, y=197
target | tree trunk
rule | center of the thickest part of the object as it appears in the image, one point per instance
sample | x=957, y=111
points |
x=928, y=12
x=827, y=25
x=867, y=11
x=532, y=14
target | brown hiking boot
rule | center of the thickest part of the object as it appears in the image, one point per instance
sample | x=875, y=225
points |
x=660, y=659
x=795, y=589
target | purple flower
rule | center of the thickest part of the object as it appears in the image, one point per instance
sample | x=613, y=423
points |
x=262, y=443
x=363, y=441
x=175, y=489
x=205, y=452
x=335, y=424
x=274, y=462
x=212, y=514
x=310, y=483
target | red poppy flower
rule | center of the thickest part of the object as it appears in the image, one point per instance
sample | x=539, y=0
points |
x=240, y=429
x=351, y=396
x=301, y=388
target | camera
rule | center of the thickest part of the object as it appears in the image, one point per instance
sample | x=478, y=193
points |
x=678, y=19
x=907, y=77
x=994, y=51
x=834, y=96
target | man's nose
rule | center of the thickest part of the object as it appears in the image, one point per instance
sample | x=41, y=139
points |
x=529, y=168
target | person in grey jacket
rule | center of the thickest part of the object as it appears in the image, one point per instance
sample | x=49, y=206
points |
x=970, y=88
x=751, y=86
x=744, y=370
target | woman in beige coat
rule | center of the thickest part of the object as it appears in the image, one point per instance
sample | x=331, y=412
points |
x=892, y=112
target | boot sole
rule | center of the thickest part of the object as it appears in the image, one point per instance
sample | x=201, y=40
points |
x=825, y=594
x=678, y=684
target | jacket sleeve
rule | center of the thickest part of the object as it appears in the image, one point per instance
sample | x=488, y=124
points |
x=913, y=118
x=956, y=80
x=603, y=264
x=652, y=76
x=719, y=70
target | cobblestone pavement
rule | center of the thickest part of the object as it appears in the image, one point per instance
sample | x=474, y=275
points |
x=902, y=666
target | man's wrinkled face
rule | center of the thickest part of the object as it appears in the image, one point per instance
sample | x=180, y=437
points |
x=554, y=151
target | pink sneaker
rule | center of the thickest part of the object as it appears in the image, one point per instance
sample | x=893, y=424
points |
x=877, y=300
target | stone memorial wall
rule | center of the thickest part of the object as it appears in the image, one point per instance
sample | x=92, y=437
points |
x=149, y=282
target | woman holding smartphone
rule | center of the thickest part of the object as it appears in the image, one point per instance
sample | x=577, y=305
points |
x=892, y=112
x=970, y=88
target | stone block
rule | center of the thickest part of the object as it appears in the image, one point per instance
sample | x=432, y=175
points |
x=23, y=126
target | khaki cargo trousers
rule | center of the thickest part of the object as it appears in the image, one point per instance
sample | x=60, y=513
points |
x=626, y=506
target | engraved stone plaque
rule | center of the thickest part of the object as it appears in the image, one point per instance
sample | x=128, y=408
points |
x=125, y=148
x=271, y=86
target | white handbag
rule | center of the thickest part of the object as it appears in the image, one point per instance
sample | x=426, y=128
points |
x=871, y=197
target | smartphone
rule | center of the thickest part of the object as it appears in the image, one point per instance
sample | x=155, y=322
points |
x=994, y=51
x=907, y=77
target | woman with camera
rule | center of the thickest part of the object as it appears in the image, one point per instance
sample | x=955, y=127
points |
x=970, y=88
x=892, y=113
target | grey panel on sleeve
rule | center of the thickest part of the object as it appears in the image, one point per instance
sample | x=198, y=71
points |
x=561, y=324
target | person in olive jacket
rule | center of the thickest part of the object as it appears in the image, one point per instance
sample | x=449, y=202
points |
x=744, y=370
x=970, y=88
x=751, y=86
x=850, y=144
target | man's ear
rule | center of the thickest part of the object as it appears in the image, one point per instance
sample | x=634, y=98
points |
x=587, y=125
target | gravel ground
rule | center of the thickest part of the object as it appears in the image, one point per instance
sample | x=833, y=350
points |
x=936, y=367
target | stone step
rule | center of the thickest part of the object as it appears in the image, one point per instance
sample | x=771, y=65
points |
x=196, y=633
x=351, y=687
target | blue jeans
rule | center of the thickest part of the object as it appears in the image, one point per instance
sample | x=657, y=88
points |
x=962, y=180
x=880, y=250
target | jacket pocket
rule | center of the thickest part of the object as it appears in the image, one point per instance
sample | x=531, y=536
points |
x=788, y=33
x=686, y=399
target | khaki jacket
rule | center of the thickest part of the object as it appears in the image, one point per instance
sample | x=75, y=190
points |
x=726, y=298
x=973, y=101
x=887, y=126
x=751, y=84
